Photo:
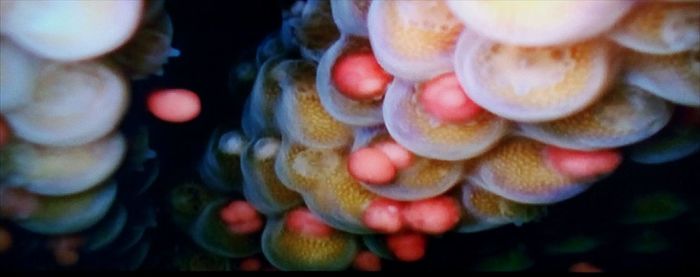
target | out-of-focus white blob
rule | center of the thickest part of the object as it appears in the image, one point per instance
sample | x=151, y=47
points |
x=675, y=78
x=540, y=22
x=660, y=28
x=72, y=213
x=70, y=30
x=341, y=107
x=533, y=84
x=625, y=115
x=148, y=50
x=413, y=128
x=413, y=40
x=72, y=104
x=351, y=16
x=18, y=73
x=66, y=170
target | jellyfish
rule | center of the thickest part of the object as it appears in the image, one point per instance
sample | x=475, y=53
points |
x=313, y=28
x=70, y=30
x=220, y=168
x=386, y=168
x=351, y=83
x=470, y=224
x=299, y=113
x=533, y=84
x=660, y=28
x=70, y=213
x=211, y=232
x=299, y=240
x=19, y=71
x=57, y=171
x=261, y=186
x=489, y=208
x=72, y=104
x=625, y=115
x=351, y=16
x=436, y=120
x=413, y=40
x=404, y=120
x=529, y=172
x=675, y=77
x=539, y=22
x=259, y=109
x=674, y=143
x=321, y=177
x=63, y=98
x=149, y=49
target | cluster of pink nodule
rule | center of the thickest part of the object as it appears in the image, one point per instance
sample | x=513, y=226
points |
x=64, y=89
x=414, y=118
